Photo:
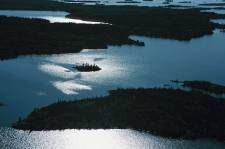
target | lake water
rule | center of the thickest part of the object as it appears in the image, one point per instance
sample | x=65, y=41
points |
x=52, y=16
x=219, y=21
x=28, y=82
x=218, y=11
x=95, y=139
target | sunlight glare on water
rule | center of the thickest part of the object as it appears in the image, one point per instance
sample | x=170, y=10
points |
x=70, y=87
x=45, y=79
x=58, y=71
x=52, y=16
x=95, y=139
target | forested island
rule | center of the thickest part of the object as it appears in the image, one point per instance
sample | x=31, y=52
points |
x=164, y=112
x=87, y=67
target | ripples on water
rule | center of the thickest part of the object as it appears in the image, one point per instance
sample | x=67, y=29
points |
x=41, y=80
x=95, y=139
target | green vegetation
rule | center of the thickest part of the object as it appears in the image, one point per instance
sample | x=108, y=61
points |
x=165, y=112
x=87, y=68
x=205, y=86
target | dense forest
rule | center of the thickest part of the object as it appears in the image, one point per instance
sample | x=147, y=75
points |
x=165, y=112
x=34, y=36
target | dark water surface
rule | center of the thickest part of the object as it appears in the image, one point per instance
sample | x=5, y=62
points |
x=28, y=82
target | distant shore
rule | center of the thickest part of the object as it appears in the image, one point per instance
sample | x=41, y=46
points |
x=164, y=112
x=204, y=86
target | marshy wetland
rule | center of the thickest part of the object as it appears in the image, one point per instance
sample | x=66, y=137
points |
x=132, y=47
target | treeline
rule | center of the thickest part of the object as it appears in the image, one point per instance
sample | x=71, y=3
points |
x=30, y=36
x=165, y=112
x=24, y=36
x=87, y=67
x=181, y=24
x=205, y=86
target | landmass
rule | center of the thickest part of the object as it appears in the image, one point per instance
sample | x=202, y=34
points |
x=21, y=36
x=165, y=112
x=205, y=86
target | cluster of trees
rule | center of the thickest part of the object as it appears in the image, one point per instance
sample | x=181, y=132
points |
x=87, y=67
x=165, y=112
x=23, y=36
x=30, y=36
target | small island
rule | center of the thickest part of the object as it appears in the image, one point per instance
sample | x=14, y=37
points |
x=87, y=67
x=165, y=112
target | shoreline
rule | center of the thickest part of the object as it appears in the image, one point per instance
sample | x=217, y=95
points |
x=182, y=25
x=163, y=112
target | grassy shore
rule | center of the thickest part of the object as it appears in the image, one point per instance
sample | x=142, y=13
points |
x=23, y=36
x=165, y=112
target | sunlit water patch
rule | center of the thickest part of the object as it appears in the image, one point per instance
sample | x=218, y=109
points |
x=70, y=87
x=95, y=139
x=58, y=71
x=218, y=21
x=52, y=16
x=217, y=11
x=28, y=82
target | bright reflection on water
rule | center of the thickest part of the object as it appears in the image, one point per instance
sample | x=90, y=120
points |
x=58, y=71
x=70, y=87
x=29, y=82
x=218, y=11
x=52, y=16
x=219, y=21
x=95, y=139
